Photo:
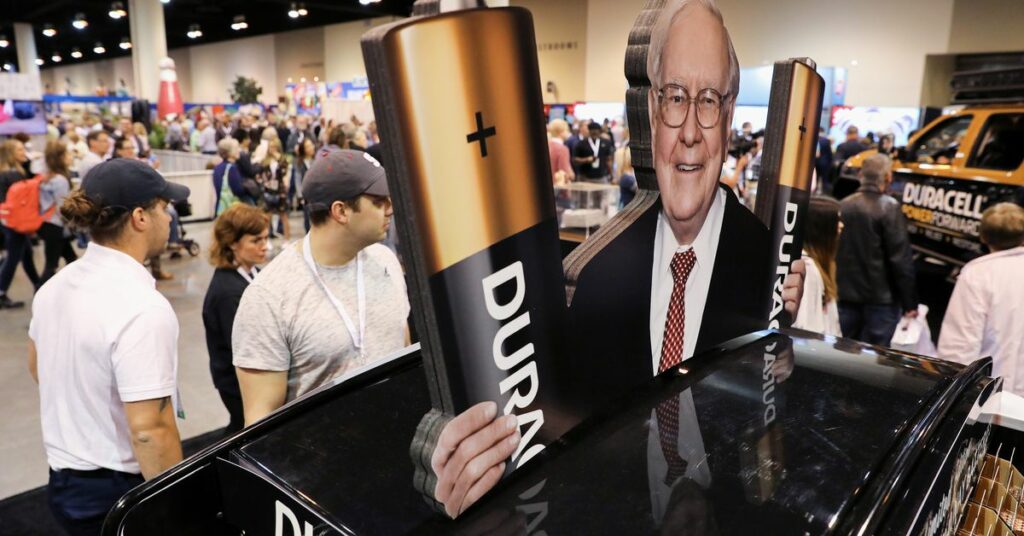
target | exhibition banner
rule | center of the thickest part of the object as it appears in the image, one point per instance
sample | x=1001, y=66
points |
x=944, y=215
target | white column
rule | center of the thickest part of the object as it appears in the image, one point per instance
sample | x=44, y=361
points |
x=25, y=41
x=149, y=46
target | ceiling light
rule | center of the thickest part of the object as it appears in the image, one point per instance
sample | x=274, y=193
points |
x=125, y=43
x=239, y=23
x=368, y=2
x=3, y=41
x=8, y=67
x=39, y=61
x=49, y=30
x=166, y=1
x=303, y=80
x=302, y=10
x=56, y=57
x=75, y=53
x=294, y=11
x=99, y=48
x=80, y=22
x=194, y=32
x=117, y=10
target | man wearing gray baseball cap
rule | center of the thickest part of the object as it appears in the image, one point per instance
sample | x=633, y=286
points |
x=331, y=303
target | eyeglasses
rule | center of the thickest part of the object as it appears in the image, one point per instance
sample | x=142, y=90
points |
x=674, y=103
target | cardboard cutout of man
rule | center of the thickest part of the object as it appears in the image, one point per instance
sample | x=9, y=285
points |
x=690, y=271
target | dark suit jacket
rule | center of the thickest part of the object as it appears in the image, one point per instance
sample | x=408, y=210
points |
x=610, y=343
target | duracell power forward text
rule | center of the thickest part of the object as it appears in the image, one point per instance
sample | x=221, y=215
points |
x=787, y=163
x=458, y=103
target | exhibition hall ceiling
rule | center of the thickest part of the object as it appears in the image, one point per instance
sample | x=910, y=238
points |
x=188, y=22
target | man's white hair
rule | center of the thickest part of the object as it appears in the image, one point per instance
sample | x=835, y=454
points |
x=659, y=35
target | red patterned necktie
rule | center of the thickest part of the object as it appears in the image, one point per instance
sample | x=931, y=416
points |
x=671, y=355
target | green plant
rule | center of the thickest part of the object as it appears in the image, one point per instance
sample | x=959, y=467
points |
x=245, y=90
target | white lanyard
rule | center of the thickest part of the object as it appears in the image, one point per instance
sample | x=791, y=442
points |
x=595, y=145
x=246, y=275
x=357, y=338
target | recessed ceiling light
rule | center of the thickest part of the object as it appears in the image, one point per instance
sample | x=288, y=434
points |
x=302, y=10
x=99, y=49
x=4, y=43
x=194, y=32
x=239, y=23
x=854, y=62
x=117, y=10
x=75, y=53
x=39, y=61
x=294, y=11
x=55, y=58
x=125, y=44
x=80, y=22
x=49, y=30
x=8, y=67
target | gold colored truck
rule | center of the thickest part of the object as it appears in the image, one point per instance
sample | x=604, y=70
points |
x=951, y=171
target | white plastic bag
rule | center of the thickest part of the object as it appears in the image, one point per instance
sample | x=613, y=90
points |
x=912, y=334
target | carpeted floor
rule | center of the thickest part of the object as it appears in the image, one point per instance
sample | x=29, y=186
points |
x=27, y=514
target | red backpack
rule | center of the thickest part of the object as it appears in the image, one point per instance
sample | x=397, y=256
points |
x=20, y=212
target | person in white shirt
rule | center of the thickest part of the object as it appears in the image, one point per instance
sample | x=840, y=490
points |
x=985, y=316
x=104, y=348
x=99, y=144
x=818, y=311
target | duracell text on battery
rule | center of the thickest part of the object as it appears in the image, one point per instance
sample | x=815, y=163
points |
x=524, y=382
x=785, y=259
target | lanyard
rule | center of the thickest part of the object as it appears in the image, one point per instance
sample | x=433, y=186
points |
x=595, y=145
x=246, y=275
x=357, y=338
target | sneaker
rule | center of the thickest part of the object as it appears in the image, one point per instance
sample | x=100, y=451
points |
x=7, y=303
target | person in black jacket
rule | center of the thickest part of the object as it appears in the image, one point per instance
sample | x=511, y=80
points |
x=875, y=271
x=240, y=244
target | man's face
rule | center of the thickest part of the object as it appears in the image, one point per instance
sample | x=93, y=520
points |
x=595, y=133
x=688, y=159
x=159, y=229
x=127, y=150
x=372, y=220
x=125, y=126
x=100, y=145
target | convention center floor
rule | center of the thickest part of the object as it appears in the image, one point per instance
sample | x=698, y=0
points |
x=21, y=449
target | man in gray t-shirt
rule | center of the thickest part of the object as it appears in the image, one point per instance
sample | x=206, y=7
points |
x=329, y=304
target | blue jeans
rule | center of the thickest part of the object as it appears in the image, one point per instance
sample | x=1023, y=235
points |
x=873, y=324
x=80, y=503
x=19, y=251
x=175, y=237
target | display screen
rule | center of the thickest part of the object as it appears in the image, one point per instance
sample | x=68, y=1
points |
x=22, y=116
x=899, y=122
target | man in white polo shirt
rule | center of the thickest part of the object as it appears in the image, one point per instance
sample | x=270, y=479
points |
x=104, y=348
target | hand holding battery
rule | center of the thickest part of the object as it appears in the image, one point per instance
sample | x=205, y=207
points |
x=470, y=455
x=793, y=287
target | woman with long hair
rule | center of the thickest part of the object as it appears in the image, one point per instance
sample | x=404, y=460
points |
x=239, y=245
x=818, y=310
x=56, y=186
x=13, y=164
x=304, y=153
x=274, y=180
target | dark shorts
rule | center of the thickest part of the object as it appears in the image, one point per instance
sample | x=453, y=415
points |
x=80, y=500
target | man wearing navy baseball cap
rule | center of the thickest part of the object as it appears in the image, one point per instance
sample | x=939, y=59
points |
x=332, y=303
x=104, y=348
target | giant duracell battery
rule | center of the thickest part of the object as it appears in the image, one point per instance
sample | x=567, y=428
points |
x=787, y=163
x=458, y=103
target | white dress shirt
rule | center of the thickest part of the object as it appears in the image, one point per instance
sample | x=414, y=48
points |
x=985, y=316
x=104, y=336
x=705, y=246
x=691, y=450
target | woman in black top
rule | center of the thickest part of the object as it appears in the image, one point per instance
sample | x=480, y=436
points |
x=239, y=244
x=13, y=162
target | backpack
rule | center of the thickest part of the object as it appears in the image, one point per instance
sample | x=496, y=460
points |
x=20, y=212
